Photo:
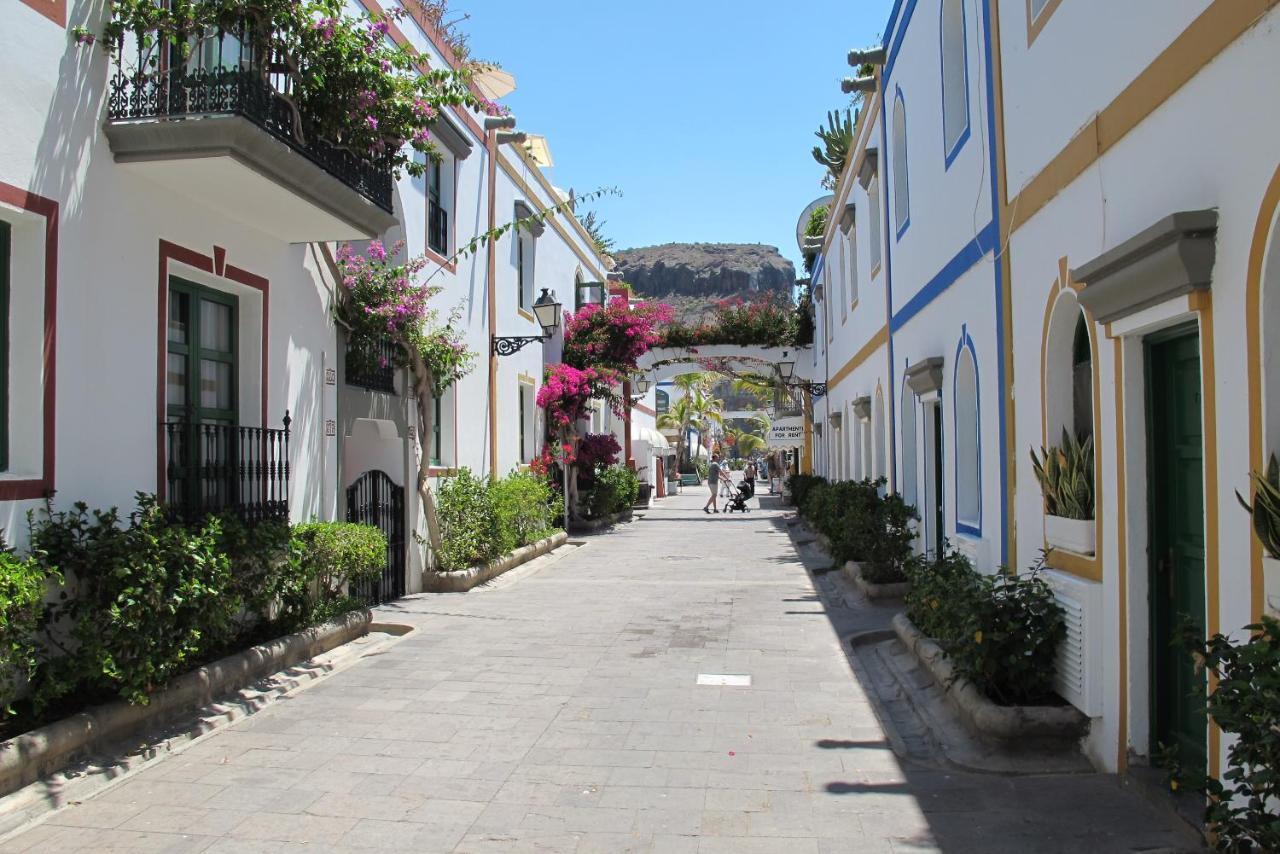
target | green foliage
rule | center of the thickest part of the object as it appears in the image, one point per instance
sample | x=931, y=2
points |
x=525, y=506
x=1001, y=632
x=1241, y=806
x=1265, y=510
x=766, y=320
x=615, y=489
x=336, y=555
x=816, y=227
x=266, y=577
x=146, y=599
x=1065, y=474
x=23, y=582
x=864, y=524
x=594, y=226
x=800, y=484
x=836, y=139
x=469, y=528
x=480, y=520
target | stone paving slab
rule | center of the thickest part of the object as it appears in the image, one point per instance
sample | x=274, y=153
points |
x=559, y=711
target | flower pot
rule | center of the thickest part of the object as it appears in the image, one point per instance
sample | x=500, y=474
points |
x=1271, y=585
x=1072, y=535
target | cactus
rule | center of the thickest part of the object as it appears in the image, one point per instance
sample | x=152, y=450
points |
x=836, y=138
x=1065, y=473
x=1265, y=508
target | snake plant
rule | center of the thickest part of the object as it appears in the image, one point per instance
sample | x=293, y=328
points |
x=1065, y=473
x=1265, y=508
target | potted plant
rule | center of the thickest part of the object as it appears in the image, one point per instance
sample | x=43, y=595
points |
x=1265, y=511
x=1065, y=473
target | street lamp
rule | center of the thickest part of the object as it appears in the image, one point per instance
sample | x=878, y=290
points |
x=547, y=311
x=786, y=367
x=643, y=385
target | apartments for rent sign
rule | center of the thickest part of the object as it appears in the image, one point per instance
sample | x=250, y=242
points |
x=786, y=433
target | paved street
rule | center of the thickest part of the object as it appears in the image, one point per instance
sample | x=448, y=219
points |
x=561, y=711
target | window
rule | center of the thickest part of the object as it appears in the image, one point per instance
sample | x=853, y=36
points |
x=438, y=197
x=436, y=429
x=844, y=278
x=901, y=202
x=873, y=195
x=968, y=452
x=662, y=402
x=524, y=268
x=865, y=469
x=528, y=438
x=853, y=267
x=955, y=92
x=877, y=413
x=1082, y=380
x=6, y=239
x=909, y=452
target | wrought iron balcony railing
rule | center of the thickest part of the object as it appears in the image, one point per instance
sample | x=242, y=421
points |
x=215, y=468
x=371, y=366
x=223, y=76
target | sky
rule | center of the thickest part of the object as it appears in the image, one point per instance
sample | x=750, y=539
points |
x=701, y=112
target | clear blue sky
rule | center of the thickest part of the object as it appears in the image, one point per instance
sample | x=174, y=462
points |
x=702, y=111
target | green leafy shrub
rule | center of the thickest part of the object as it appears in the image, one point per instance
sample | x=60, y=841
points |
x=265, y=576
x=1241, y=806
x=525, y=506
x=333, y=556
x=22, y=590
x=863, y=524
x=1001, y=631
x=1265, y=509
x=799, y=485
x=1065, y=474
x=469, y=527
x=615, y=489
x=146, y=599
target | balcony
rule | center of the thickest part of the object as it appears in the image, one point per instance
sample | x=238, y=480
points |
x=372, y=366
x=224, y=468
x=218, y=127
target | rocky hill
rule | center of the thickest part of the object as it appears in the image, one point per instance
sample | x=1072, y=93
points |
x=692, y=276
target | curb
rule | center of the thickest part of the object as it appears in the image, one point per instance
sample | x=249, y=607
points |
x=591, y=526
x=39, y=753
x=462, y=580
x=896, y=590
x=1017, y=726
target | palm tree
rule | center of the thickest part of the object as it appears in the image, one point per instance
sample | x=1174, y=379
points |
x=696, y=409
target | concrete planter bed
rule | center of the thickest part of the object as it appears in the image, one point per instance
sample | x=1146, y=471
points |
x=592, y=526
x=1017, y=728
x=462, y=580
x=872, y=590
x=40, y=752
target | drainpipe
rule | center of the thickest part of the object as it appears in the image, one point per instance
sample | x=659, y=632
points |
x=491, y=280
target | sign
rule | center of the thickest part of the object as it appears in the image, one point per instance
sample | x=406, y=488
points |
x=331, y=428
x=330, y=376
x=786, y=433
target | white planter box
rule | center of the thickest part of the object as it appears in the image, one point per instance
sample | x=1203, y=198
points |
x=1072, y=535
x=1271, y=585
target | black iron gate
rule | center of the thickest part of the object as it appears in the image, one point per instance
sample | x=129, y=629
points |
x=374, y=499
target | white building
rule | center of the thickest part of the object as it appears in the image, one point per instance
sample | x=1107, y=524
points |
x=139, y=252
x=1066, y=200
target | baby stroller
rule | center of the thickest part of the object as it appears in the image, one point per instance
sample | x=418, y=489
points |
x=739, y=500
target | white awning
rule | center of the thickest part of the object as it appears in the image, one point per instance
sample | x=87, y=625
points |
x=656, y=440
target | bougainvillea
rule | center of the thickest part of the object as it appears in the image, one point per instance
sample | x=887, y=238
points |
x=348, y=82
x=615, y=335
x=551, y=456
x=567, y=391
x=598, y=450
x=766, y=320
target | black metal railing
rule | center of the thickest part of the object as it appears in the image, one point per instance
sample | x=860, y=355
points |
x=438, y=228
x=371, y=365
x=214, y=468
x=226, y=75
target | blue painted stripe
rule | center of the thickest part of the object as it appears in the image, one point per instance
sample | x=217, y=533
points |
x=817, y=271
x=971, y=254
x=896, y=44
x=893, y=19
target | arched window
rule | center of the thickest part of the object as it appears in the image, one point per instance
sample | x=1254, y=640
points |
x=901, y=203
x=908, y=417
x=968, y=452
x=1082, y=380
x=955, y=90
x=873, y=196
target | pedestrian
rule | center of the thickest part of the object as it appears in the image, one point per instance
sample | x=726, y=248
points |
x=713, y=480
x=749, y=476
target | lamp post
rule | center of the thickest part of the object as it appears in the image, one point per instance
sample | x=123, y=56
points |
x=547, y=312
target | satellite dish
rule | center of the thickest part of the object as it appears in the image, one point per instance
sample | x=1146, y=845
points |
x=803, y=222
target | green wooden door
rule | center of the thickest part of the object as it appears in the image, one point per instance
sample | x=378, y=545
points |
x=1177, y=554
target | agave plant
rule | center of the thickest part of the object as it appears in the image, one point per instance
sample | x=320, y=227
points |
x=1065, y=473
x=1265, y=508
x=836, y=138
